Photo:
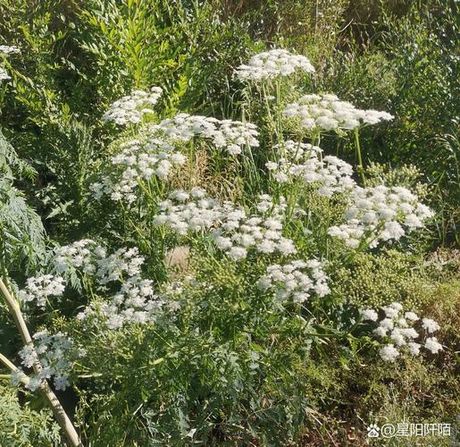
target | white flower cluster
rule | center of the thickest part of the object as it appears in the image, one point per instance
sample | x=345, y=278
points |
x=296, y=280
x=330, y=174
x=131, y=108
x=380, y=213
x=124, y=262
x=397, y=329
x=327, y=112
x=39, y=288
x=92, y=259
x=271, y=64
x=228, y=134
x=137, y=161
x=135, y=302
x=4, y=76
x=82, y=255
x=54, y=355
x=233, y=231
x=296, y=150
x=7, y=49
x=189, y=211
x=261, y=231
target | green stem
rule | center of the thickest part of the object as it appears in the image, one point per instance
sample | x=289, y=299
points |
x=271, y=120
x=279, y=132
x=360, y=158
x=316, y=138
x=250, y=165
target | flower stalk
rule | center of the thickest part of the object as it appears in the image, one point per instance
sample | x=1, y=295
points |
x=359, y=156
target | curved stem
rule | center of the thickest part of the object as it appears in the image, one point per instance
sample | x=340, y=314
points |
x=73, y=440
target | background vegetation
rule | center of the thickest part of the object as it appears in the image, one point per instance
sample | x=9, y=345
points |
x=77, y=57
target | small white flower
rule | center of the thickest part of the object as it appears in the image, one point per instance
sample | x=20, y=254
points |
x=389, y=353
x=412, y=316
x=138, y=161
x=296, y=280
x=433, y=345
x=369, y=314
x=223, y=134
x=376, y=214
x=390, y=311
x=131, y=108
x=430, y=325
x=327, y=112
x=397, y=306
x=402, y=332
x=397, y=337
x=414, y=348
x=55, y=353
x=4, y=76
x=271, y=64
x=39, y=288
x=409, y=332
x=6, y=49
x=303, y=162
x=380, y=331
x=237, y=253
x=387, y=323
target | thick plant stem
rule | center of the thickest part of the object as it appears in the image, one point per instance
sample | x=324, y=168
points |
x=9, y=364
x=73, y=440
x=14, y=369
x=16, y=313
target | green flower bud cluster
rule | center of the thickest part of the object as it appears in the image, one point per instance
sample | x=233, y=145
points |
x=379, y=279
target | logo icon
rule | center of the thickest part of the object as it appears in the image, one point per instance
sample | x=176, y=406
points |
x=373, y=431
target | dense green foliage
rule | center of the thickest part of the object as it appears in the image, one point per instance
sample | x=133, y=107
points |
x=20, y=425
x=232, y=368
